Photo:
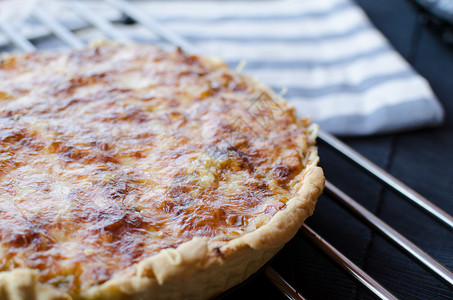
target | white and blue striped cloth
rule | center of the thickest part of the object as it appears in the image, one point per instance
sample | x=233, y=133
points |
x=337, y=67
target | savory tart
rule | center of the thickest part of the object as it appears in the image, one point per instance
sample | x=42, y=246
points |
x=130, y=172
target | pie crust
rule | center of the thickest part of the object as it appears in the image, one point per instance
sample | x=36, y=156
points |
x=198, y=261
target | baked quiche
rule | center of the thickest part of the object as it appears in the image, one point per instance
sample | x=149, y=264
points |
x=132, y=172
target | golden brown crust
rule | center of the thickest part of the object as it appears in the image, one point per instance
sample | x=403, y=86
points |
x=197, y=274
x=235, y=197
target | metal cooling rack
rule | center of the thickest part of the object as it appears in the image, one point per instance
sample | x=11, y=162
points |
x=108, y=29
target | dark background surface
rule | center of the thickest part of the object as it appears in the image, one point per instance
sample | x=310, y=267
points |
x=423, y=159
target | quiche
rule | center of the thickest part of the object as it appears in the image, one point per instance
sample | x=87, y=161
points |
x=132, y=172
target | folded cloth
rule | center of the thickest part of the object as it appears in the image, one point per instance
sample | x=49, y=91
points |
x=337, y=67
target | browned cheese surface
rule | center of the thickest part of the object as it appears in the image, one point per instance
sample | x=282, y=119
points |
x=112, y=153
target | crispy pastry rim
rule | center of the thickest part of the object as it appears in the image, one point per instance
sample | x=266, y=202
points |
x=192, y=267
x=194, y=270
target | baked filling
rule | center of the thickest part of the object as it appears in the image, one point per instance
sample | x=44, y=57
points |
x=112, y=153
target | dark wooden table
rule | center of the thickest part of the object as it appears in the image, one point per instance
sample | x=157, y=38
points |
x=422, y=158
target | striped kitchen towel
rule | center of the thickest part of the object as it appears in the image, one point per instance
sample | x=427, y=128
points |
x=336, y=66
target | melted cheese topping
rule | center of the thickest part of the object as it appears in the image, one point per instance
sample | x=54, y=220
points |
x=112, y=153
